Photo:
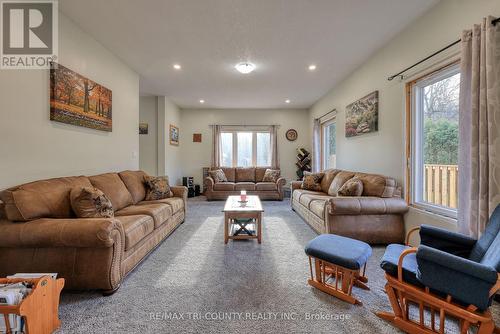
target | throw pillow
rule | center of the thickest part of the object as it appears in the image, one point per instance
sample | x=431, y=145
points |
x=312, y=181
x=271, y=175
x=218, y=175
x=90, y=202
x=157, y=188
x=353, y=187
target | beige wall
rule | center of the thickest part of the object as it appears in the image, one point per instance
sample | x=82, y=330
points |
x=383, y=151
x=157, y=156
x=33, y=147
x=172, y=153
x=148, y=144
x=195, y=156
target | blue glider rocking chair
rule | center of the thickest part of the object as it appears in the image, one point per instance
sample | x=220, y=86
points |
x=448, y=275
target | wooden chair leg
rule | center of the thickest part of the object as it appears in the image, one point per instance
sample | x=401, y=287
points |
x=486, y=327
x=344, y=280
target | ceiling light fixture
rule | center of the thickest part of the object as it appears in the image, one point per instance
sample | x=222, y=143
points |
x=177, y=66
x=202, y=101
x=312, y=67
x=287, y=101
x=244, y=67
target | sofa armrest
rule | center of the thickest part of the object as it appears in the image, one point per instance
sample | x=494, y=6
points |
x=447, y=241
x=209, y=183
x=182, y=192
x=48, y=232
x=468, y=281
x=281, y=182
x=295, y=185
x=366, y=205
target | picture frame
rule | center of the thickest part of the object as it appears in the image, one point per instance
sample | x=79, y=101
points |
x=143, y=128
x=362, y=116
x=174, y=135
x=196, y=137
x=78, y=100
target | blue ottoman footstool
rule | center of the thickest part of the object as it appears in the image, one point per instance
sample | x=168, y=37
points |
x=339, y=263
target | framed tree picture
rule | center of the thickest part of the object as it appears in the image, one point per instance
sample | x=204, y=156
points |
x=77, y=100
x=174, y=135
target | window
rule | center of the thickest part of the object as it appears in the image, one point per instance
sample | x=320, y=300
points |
x=328, y=145
x=246, y=148
x=227, y=149
x=433, y=162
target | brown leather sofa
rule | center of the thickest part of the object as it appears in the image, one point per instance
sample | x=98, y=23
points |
x=40, y=233
x=375, y=217
x=249, y=179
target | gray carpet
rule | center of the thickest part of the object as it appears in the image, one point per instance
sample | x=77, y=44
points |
x=193, y=283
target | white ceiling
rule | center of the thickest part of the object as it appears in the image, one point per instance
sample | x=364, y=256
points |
x=208, y=37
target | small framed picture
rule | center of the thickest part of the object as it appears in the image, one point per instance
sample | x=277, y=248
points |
x=196, y=137
x=174, y=135
x=143, y=128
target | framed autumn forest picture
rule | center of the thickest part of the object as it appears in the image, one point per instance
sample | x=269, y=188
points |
x=77, y=100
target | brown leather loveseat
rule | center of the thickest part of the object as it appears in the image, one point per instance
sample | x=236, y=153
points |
x=241, y=178
x=375, y=217
x=40, y=233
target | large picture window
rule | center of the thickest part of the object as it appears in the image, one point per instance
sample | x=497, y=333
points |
x=433, y=162
x=328, y=144
x=245, y=148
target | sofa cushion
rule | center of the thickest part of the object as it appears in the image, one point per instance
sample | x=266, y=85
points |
x=114, y=188
x=297, y=193
x=338, y=181
x=367, y=205
x=306, y=199
x=353, y=187
x=224, y=186
x=160, y=212
x=328, y=178
x=90, y=202
x=271, y=175
x=42, y=199
x=230, y=173
x=259, y=173
x=317, y=207
x=218, y=175
x=377, y=185
x=266, y=186
x=134, y=181
x=157, y=187
x=389, y=263
x=136, y=228
x=176, y=203
x=245, y=174
x=244, y=186
x=312, y=181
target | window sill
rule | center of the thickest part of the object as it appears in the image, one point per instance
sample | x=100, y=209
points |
x=432, y=214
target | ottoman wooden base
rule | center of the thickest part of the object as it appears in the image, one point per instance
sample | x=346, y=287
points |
x=342, y=279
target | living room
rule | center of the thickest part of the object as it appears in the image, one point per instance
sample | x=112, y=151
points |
x=356, y=142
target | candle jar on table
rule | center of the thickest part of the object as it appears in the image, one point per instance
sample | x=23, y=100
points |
x=243, y=196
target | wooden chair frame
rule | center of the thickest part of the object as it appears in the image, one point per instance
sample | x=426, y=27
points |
x=402, y=294
x=344, y=279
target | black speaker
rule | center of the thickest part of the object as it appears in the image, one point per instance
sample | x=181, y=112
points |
x=191, y=192
x=197, y=190
x=187, y=181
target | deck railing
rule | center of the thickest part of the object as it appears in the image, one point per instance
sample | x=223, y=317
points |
x=441, y=184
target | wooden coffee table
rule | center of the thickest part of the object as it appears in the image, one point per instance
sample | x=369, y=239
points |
x=233, y=210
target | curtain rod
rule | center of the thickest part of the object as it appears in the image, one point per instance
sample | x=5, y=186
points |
x=494, y=22
x=320, y=117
